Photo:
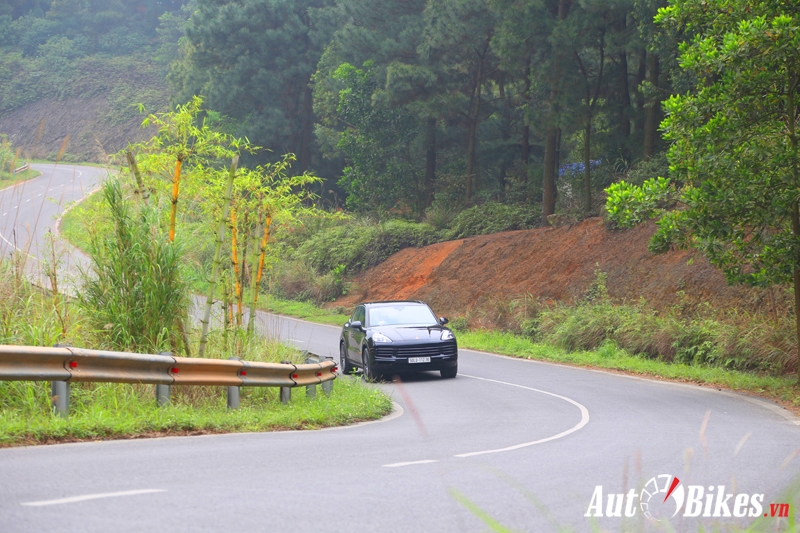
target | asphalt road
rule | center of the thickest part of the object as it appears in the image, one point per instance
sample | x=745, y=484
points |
x=521, y=443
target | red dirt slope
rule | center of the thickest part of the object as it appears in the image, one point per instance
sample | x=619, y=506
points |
x=547, y=264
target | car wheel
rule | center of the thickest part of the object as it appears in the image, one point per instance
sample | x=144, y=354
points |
x=367, y=370
x=346, y=366
x=449, y=373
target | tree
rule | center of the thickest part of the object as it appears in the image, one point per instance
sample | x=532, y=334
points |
x=734, y=141
x=253, y=59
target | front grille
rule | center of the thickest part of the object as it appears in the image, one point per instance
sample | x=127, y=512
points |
x=417, y=350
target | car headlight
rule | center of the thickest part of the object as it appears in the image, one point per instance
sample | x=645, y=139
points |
x=447, y=335
x=380, y=337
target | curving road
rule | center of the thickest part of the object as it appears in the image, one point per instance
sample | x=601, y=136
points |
x=509, y=442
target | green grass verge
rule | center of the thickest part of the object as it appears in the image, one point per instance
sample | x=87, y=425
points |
x=609, y=357
x=85, y=214
x=116, y=411
x=7, y=180
x=305, y=310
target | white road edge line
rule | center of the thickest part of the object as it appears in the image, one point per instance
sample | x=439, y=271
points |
x=86, y=497
x=425, y=461
x=576, y=427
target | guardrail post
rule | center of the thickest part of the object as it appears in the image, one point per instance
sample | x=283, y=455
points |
x=59, y=394
x=233, y=392
x=286, y=392
x=311, y=390
x=327, y=386
x=162, y=391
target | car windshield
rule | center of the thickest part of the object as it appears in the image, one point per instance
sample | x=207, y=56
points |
x=401, y=315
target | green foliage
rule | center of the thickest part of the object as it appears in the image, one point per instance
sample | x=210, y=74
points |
x=628, y=205
x=361, y=245
x=734, y=141
x=491, y=217
x=134, y=293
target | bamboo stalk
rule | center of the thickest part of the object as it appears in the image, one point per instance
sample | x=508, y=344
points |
x=243, y=275
x=176, y=181
x=235, y=261
x=257, y=284
x=138, y=175
x=217, y=255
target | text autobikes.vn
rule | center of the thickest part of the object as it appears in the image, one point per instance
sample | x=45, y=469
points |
x=664, y=497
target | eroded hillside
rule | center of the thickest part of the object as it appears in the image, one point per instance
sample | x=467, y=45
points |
x=480, y=275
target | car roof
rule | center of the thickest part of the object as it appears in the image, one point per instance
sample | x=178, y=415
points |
x=391, y=302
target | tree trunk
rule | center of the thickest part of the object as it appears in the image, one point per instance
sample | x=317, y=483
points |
x=641, y=75
x=549, y=182
x=624, y=104
x=587, y=161
x=473, y=129
x=551, y=141
x=525, y=142
x=306, y=133
x=791, y=108
x=212, y=284
x=430, y=159
x=653, y=110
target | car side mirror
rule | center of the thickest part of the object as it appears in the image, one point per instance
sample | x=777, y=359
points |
x=355, y=324
x=443, y=320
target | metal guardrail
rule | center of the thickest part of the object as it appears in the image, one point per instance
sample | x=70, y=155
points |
x=65, y=364
x=26, y=166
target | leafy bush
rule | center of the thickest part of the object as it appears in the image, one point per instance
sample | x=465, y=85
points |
x=359, y=245
x=628, y=205
x=296, y=280
x=492, y=217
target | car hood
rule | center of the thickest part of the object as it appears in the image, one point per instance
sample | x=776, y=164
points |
x=411, y=333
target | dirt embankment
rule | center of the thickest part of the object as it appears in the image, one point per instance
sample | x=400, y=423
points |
x=79, y=126
x=479, y=275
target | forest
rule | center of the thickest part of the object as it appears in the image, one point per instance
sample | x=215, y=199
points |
x=403, y=107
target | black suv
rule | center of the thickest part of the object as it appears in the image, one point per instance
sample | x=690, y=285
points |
x=383, y=338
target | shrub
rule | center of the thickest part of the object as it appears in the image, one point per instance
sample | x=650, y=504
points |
x=134, y=294
x=492, y=217
x=360, y=245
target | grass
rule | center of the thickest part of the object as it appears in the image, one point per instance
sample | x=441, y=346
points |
x=88, y=213
x=7, y=180
x=305, y=310
x=609, y=357
x=118, y=411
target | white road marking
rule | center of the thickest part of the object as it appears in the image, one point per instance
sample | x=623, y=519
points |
x=86, y=497
x=426, y=461
x=4, y=214
x=576, y=427
x=28, y=200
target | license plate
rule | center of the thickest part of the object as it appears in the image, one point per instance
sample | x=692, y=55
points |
x=419, y=359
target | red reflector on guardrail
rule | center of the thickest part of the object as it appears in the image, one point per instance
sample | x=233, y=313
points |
x=334, y=369
x=294, y=376
x=319, y=374
x=73, y=364
x=242, y=373
x=175, y=370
